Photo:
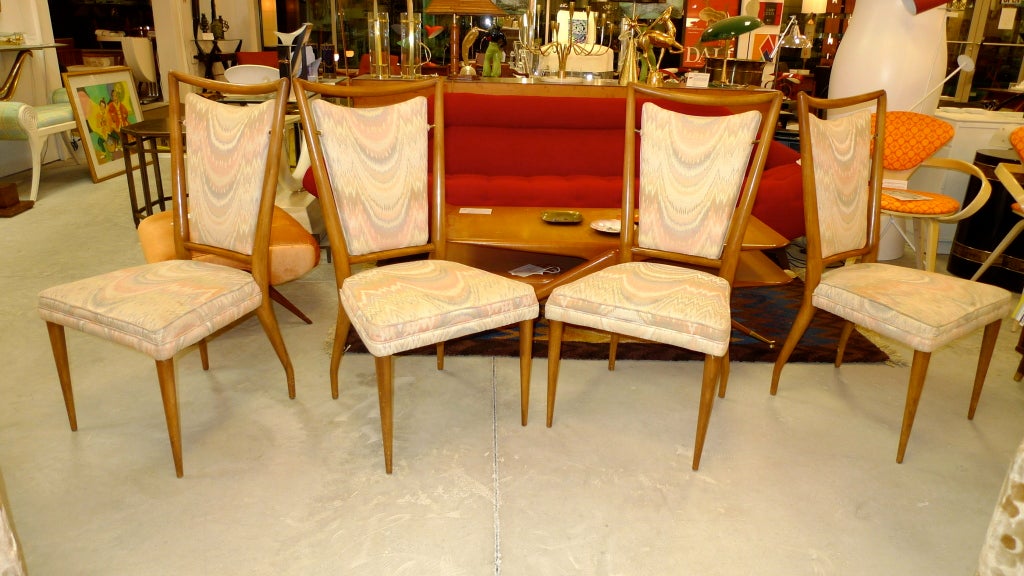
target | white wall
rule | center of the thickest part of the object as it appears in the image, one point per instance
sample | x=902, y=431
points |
x=39, y=76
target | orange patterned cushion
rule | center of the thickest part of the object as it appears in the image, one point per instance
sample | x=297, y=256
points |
x=937, y=204
x=911, y=138
x=1017, y=141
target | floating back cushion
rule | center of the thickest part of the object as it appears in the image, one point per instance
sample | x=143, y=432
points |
x=692, y=169
x=377, y=161
x=227, y=156
x=842, y=162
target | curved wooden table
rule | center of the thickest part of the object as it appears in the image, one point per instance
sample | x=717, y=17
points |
x=502, y=238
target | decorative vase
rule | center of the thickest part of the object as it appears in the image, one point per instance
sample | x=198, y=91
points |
x=378, y=37
x=412, y=38
x=887, y=47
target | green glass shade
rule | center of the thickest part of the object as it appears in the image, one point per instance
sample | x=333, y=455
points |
x=728, y=28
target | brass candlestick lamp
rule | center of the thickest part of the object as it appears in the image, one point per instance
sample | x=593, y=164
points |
x=562, y=50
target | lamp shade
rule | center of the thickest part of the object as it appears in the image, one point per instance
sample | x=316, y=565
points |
x=794, y=38
x=463, y=7
x=728, y=28
x=813, y=6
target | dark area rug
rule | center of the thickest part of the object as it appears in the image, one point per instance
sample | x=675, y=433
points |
x=767, y=310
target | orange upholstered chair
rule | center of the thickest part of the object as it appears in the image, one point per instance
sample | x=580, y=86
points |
x=1007, y=174
x=911, y=141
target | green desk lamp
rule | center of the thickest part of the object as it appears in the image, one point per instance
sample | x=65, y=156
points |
x=727, y=29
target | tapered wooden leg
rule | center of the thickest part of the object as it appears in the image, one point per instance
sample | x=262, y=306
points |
x=931, y=243
x=287, y=304
x=995, y=254
x=613, y=350
x=920, y=237
x=341, y=328
x=723, y=379
x=169, y=394
x=918, y=370
x=712, y=365
x=269, y=321
x=204, y=354
x=385, y=395
x=844, y=337
x=988, y=345
x=60, y=357
x=800, y=324
x=525, y=367
x=440, y=355
x=554, y=356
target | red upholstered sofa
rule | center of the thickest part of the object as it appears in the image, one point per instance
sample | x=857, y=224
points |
x=503, y=150
x=567, y=152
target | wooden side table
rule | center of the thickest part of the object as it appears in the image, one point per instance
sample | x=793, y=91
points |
x=143, y=138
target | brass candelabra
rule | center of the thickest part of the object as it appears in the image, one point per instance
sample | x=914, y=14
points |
x=562, y=50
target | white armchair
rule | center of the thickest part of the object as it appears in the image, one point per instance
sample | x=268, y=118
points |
x=20, y=121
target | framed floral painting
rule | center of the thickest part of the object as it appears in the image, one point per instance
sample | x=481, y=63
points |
x=104, y=101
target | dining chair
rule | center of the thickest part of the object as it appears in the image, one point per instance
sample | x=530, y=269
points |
x=841, y=160
x=223, y=197
x=1007, y=173
x=911, y=142
x=382, y=200
x=21, y=121
x=699, y=169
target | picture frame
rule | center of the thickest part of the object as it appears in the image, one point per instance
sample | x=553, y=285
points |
x=104, y=100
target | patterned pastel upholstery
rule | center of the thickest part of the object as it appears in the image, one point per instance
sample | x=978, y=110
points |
x=224, y=193
x=402, y=306
x=691, y=170
x=370, y=164
x=1002, y=553
x=20, y=121
x=158, y=309
x=163, y=307
x=379, y=158
x=924, y=310
x=841, y=170
x=658, y=302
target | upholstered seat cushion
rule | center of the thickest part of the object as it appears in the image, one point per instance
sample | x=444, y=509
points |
x=659, y=302
x=403, y=306
x=936, y=204
x=924, y=310
x=15, y=116
x=293, y=250
x=158, y=308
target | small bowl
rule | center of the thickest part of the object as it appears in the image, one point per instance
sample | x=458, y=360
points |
x=251, y=74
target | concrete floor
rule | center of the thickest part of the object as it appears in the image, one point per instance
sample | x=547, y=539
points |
x=802, y=483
